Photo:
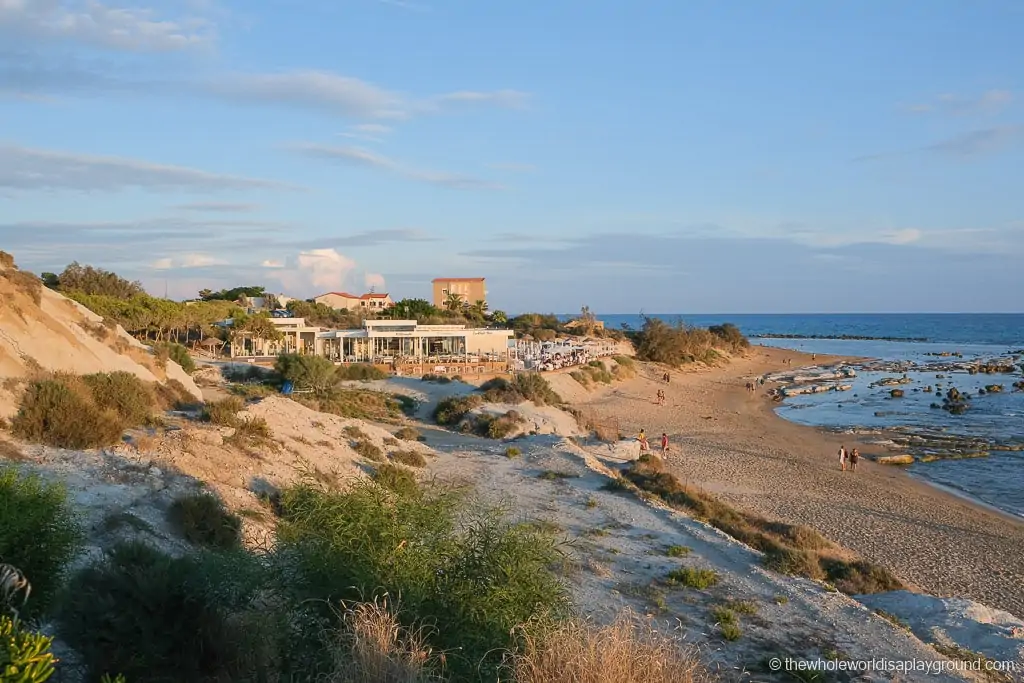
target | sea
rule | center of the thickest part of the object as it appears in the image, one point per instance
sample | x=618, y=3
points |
x=996, y=480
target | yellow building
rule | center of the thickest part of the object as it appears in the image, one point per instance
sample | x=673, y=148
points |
x=468, y=289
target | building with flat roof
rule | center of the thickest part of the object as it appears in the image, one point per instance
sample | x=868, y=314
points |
x=468, y=289
x=391, y=342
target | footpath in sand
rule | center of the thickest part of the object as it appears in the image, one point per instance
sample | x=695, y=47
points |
x=731, y=443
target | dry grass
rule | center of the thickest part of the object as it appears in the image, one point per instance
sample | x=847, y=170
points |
x=373, y=647
x=410, y=458
x=623, y=652
x=355, y=432
x=408, y=434
x=25, y=282
x=368, y=451
x=224, y=413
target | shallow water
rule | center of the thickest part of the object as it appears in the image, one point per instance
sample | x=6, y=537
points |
x=997, y=479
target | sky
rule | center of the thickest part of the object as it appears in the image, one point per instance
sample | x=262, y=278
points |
x=692, y=156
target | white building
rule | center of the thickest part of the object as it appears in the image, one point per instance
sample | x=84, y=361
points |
x=383, y=342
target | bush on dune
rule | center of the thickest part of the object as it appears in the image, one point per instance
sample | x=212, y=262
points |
x=122, y=392
x=59, y=412
x=177, y=353
x=525, y=386
x=38, y=536
x=674, y=345
x=360, y=371
x=151, y=617
x=202, y=519
x=307, y=372
x=452, y=410
x=472, y=575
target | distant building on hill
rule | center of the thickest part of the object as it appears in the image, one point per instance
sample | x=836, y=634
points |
x=468, y=289
x=343, y=301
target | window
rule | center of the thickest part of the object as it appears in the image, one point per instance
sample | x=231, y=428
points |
x=444, y=291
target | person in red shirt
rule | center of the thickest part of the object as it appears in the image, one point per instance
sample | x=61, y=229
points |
x=664, y=443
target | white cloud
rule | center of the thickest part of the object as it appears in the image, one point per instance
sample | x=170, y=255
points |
x=96, y=24
x=188, y=261
x=273, y=263
x=315, y=271
x=363, y=157
x=23, y=168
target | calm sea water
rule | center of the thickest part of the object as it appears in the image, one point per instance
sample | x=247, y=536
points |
x=997, y=479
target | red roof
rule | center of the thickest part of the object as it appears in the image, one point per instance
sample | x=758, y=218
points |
x=346, y=295
x=458, y=279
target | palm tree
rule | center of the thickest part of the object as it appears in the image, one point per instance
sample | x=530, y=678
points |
x=453, y=302
x=478, y=309
x=499, y=317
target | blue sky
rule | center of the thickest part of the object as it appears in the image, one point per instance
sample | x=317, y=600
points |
x=669, y=155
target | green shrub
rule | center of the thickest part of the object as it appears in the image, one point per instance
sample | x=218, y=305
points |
x=39, y=534
x=359, y=404
x=512, y=452
x=152, y=617
x=396, y=479
x=224, y=412
x=408, y=434
x=123, y=393
x=25, y=656
x=360, y=371
x=177, y=353
x=451, y=410
x=308, y=372
x=436, y=379
x=525, y=386
x=53, y=412
x=470, y=574
x=410, y=458
x=354, y=432
x=677, y=551
x=202, y=519
x=497, y=426
x=252, y=432
x=693, y=578
x=369, y=451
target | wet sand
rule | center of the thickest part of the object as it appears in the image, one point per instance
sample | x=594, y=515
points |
x=732, y=443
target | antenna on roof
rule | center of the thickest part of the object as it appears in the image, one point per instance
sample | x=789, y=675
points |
x=373, y=289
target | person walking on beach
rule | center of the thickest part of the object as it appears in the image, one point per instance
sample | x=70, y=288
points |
x=854, y=457
x=664, y=442
x=842, y=458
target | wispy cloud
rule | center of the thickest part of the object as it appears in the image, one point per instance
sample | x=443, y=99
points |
x=346, y=96
x=988, y=102
x=218, y=207
x=188, y=261
x=357, y=156
x=96, y=24
x=964, y=147
x=979, y=142
x=512, y=99
x=23, y=168
x=333, y=93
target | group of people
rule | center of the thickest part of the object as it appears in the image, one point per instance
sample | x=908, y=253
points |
x=645, y=446
x=848, y=459
x=659, y=398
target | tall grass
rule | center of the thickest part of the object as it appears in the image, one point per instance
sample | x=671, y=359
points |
x=674, y=345
x=202, y=519
x=38, y=534
x=623, y=652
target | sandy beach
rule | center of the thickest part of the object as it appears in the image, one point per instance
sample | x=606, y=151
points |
x=731, y=442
